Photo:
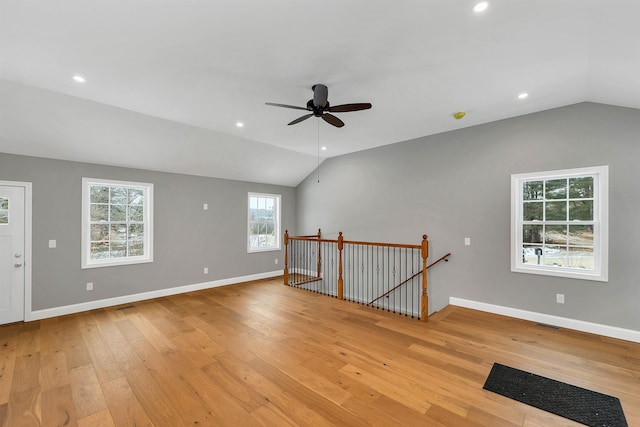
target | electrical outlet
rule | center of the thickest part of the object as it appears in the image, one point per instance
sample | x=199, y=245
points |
x=276, y=260
x=52, y=244
x=205, y=206
x=90, y=286
x=560, y=298
x=206, y=270
x=467, y=241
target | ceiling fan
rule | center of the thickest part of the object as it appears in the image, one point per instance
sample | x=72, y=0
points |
x=319, y=107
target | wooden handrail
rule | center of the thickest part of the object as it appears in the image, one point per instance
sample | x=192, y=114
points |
x=415, y=275
x=354, y=242
x=443, y=257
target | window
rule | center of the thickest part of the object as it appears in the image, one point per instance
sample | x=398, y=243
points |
x=264, y=222
x=559, y=223
x=117, y=223
x=4, y=210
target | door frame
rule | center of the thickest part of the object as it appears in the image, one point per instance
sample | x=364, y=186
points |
x=27, y=186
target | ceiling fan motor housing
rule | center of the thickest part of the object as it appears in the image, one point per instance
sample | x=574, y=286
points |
x=320, y=95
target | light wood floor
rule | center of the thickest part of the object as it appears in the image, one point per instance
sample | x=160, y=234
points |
x=263, y=354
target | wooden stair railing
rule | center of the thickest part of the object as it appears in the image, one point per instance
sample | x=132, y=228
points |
x=444, y=257
x=302, y=255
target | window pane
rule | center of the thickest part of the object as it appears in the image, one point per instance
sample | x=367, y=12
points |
x=118, y=213
x=136, y=248
x=136, y=231
x=99, y=232
x=118, y=232
x=532, y=233
x=119, y=196
x=581, y=235
x=556, y=211
x=4, y=203
x=99, y=213
x=532, y=190
x=581, y=187
x=136, y=213
x=556, y=189
x=555, y=256
x=99, y=250
x=4, y=217
x=99, y=194
x=555, y=234
x=532, y=211
x=136, y=196
x=581, y=210
x=118, y=249
x=581, y=258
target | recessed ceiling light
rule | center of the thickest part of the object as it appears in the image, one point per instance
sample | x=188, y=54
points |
x=480, y=7
x=79, y=78
x=323, y=148
x=523, y=95
x=239, y=124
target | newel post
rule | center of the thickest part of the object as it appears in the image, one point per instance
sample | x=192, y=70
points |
x=340, y=281
x=286, y=257
x=319, y=254
x=424, y=299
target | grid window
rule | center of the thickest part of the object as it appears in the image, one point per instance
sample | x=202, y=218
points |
x=263, y=222
x=117, y=223
x=559, y=223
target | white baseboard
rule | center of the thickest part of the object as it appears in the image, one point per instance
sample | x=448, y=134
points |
x=125, y=299
x=578, y=325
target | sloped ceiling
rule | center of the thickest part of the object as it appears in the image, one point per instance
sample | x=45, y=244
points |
x=167, y=80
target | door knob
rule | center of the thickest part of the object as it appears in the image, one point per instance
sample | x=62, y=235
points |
x=17, y=264
x=18, y=255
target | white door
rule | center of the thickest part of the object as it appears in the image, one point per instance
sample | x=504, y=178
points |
x=12, y=256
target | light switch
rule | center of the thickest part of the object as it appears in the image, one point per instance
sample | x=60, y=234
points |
x=205, y=206
x=52, y=244
x=467, y=241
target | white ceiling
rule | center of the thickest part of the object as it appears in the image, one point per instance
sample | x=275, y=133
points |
x=209, y=64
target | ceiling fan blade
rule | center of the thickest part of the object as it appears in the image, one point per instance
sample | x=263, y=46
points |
x=299, y=119
x=287, y=106
x=349, y=107
x=332, y=120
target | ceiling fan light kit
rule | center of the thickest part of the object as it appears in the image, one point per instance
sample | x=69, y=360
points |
x=319, y=107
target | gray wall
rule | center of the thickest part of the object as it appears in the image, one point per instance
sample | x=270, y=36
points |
x=186, y=238
x=457, y=184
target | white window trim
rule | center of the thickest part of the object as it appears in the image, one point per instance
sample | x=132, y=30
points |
x=86, y=261
x=277, y=224
x=600, y=233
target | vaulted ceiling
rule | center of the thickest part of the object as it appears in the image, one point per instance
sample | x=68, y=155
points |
x=167, y=81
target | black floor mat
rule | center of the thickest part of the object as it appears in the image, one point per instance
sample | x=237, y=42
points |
x=575, y=403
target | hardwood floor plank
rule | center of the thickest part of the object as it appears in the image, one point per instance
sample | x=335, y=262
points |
x=4, y=414
x=26, y=373
x=105, y=365
x=99, y=419
x=125, y=408
x=24, y=407
x=54, y=372
x=270, y=415
x=8, y=347
x=272, y=392
x=86, y=391
x=58, y=407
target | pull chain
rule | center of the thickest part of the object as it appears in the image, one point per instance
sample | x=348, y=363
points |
x=318, y=150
